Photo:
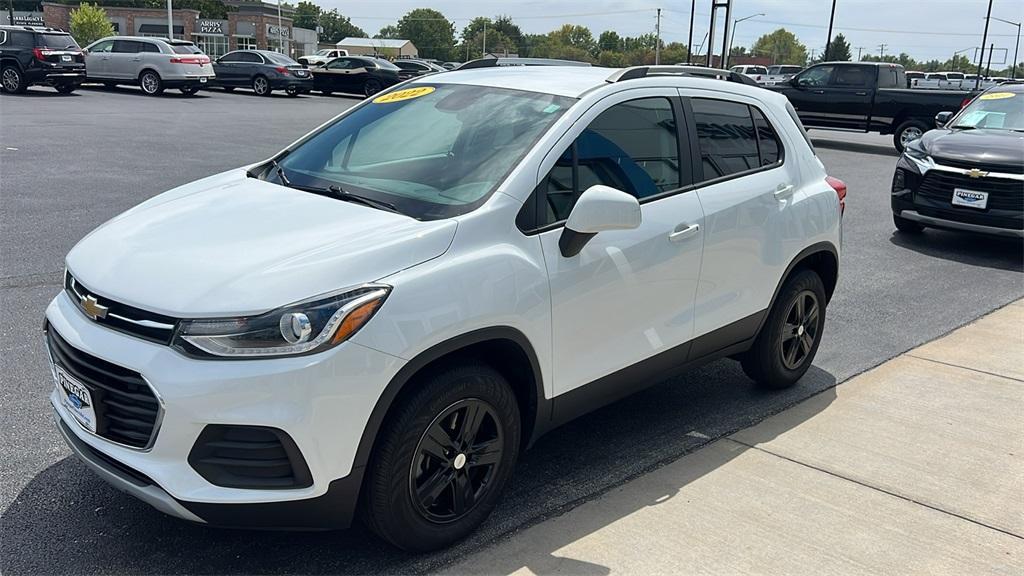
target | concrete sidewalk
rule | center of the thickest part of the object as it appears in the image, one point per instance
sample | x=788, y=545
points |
x=916, y=466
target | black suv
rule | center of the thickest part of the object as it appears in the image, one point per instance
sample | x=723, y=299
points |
x=32, y=55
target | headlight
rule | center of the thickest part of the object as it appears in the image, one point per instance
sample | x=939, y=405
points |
x=306, y=327
x=916, y=153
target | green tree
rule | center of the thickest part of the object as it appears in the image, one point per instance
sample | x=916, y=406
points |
x=576, y=37
x=476, y=27
x=389, y=31
x=782, y=46
x=430, y=31
x=510, y=29
x=337, y=27
x=89, y=23
x=609, y=41
x=307, y=15
x=839, y=49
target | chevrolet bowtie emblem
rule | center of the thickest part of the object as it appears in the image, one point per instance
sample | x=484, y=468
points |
x=975, y=173
x=92, y=308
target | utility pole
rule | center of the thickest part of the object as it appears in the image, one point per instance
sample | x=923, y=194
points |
x=828, y=41
x=881, y=51
x=689, y=41
x=657, y=41
x=280, y=31
x=860, y=49
x=484, y=49
x=984, y=38
x=988, y=66
x=10, y=12
x=170, y=20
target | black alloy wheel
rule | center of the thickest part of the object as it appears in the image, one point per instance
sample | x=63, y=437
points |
x=455, y=460
x=800, y=331
x=371, y=87
x=12, y=80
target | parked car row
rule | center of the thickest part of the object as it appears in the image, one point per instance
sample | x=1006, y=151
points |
x=46, y=56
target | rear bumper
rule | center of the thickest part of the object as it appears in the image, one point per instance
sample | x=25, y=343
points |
x=303, y=84
x=188, y=81
x=56, y=77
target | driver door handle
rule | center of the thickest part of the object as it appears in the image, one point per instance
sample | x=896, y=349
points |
x=683, y=231
x=784, y=191
x=861, y=93
x=818, y=91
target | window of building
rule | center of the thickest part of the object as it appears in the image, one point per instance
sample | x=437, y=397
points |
x=733, y=138
x=276, y=44
x=632, y=147
x=212, y=46
x=245, y=42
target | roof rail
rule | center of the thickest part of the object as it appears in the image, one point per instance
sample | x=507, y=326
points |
x=493, y=62
x=634, y=72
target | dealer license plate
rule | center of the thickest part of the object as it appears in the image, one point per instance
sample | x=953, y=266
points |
x=75, y=397
x=970, y=198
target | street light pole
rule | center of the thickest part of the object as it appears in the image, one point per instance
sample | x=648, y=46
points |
x=1016, y=48
x=828, y=41
x=280, y=31
x=689, y=41
x=734, y=23
x=170, y=21
x=984, y=39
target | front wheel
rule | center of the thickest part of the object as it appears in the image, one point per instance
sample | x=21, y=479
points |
x=443, y=458
x=907, y=132
x=789, y=339
x=151, y=83
x=13, y=81
x=261, y=86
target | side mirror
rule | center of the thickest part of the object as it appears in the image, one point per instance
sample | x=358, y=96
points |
x=599, y=209
x=794, y=82
x=85, y=51
x=942, y=118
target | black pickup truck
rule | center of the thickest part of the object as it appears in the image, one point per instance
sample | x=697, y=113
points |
x=867, y=97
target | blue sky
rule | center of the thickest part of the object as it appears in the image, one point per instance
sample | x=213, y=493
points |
x=924, y=29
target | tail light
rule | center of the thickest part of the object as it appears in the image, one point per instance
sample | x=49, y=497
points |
x=41, y=53
x=200, y=60
x=840, y=187
x=966, y=101
x=282, y=70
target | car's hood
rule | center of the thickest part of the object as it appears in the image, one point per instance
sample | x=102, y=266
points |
x=986, y=147
x=232, y=245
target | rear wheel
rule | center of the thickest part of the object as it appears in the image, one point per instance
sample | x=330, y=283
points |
x=12, y=80
x=906, y=226
x=789, y=339
x=151, y=83
x=65, y=88
x=189, y=90
x=907, y=132
x=261, y=86
x=443, y=458
x=371, y=87
x=292, y=90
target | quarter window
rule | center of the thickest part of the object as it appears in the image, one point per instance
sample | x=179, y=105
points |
x=733, y=137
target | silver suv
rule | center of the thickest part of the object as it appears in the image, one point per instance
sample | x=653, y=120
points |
x=152, y=63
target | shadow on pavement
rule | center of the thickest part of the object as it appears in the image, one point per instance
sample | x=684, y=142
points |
x=965, y=248
x=861, y=147
x=72, y=522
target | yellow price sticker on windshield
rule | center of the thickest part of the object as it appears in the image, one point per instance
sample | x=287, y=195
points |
x=407, y=94
x=996, y=96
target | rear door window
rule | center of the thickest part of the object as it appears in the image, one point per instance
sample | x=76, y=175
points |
x=852, y=77
x=148, y=47
x=250, y=58
x=126, y=47
x=728, y=139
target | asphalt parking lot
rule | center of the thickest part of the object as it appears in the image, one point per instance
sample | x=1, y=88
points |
x=68, y=163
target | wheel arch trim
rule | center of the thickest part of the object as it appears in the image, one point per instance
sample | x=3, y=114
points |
x=804, y=256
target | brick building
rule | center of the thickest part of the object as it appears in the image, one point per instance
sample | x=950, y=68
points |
x=249, y=25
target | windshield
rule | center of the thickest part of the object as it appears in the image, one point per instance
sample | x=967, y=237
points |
x=431, y=151
x=384, y=64
x=281, y=59
x=995, y=110
x=55, y=41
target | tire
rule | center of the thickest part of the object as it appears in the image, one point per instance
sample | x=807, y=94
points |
x=151, y=83
x=907, y=132
x=189, y=90
x=228, y=88
x=371, y=87
x=775, y=361
x=261, y=86
x=906, y=226
x=12, y=80
x=406, y=459
x=65, y=88
x=292, y=91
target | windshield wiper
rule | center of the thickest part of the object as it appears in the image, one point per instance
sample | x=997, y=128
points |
x=964, y=127
x=340, y=192
x=280, y=173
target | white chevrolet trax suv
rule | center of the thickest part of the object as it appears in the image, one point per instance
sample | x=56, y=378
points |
x=380, y=318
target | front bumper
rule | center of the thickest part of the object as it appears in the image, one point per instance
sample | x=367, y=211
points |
x=322, y=402
x=924, y=196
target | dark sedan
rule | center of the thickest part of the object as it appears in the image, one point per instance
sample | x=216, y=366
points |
x=355, y=75
x=968, y=174
x=408, y=68
x=263, y=71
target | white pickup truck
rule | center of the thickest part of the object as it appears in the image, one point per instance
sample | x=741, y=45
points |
x=779, y=74
x=321, y=57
